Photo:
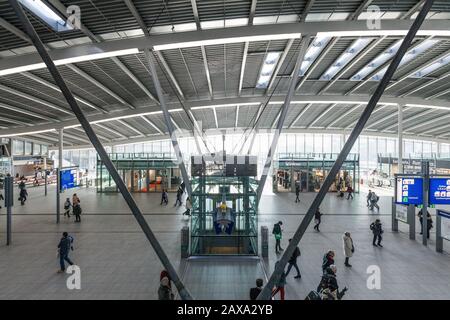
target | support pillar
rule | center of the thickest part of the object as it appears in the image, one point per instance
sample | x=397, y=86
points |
x=426, y=181
x=400, y=139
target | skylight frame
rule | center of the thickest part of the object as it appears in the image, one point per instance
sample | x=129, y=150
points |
x=271, y=60
x=48, y=15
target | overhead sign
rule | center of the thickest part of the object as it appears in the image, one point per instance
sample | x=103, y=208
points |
x=409, y=190
x=68, y=178
x=439, y=191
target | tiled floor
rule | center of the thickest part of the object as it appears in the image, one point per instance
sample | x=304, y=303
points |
x=117, y=261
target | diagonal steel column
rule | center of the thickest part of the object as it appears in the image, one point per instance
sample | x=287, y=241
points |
x=173, y=137
x=274, y=278
x=99, y=148
x=284, y=110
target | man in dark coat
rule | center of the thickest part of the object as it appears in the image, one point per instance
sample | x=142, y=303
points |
x=293, y=262
x=377, y=231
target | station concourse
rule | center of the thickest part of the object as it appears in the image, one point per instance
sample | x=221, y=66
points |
x=180, y=132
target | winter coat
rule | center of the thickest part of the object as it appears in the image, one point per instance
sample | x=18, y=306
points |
x=377, y=229
x=348, y=246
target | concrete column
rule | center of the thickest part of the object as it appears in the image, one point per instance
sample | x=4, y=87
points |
x=400, y=138
x=60, y=145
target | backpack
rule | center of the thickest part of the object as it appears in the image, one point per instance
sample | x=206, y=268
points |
x=276, y=229
x=372, y=226
x=313, y=295
x=297, y=252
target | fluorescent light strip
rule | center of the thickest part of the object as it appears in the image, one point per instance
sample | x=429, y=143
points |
x=210, y=42
x=26, y=133
x=319, y=43
x=88, y=57
x=349, y=54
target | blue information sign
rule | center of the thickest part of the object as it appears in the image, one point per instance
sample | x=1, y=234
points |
x=439, y=191
x=68, y=178
x=409, y=190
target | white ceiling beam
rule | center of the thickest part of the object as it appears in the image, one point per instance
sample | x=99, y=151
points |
x=413, y=10
x=26, y=112
x=344, y=115
x=377, y=109
x=385, y=118
x=215, y=117
x=244, y=61
x=280, y=63
x=306, y=10
x=237, y=117
x=208, y=77
x=414, y=117
x=130, y=127
x=251, y=15
x=425, y=85
x=117, y=133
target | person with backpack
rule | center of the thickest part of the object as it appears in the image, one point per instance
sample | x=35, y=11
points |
x=328, y=260
x=67, y=206
x=64, y=247
x=297, y=193
x=164, y=197
x=328, y=286
x=429, y=222
x=349, y=248
x=77, y=212
x=277, y=232
x=293, y=262
x=374, y=201
x=280, y=285
x=377, y=230
x=317, y=220
x=254, y=292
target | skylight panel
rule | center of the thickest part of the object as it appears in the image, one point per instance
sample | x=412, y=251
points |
x=433, y=67
x=47, y=14
x=313, y=52
x=409, y=56
x=349, y=54
x=267, y=69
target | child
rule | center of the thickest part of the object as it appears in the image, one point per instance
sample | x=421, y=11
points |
x=67, y=206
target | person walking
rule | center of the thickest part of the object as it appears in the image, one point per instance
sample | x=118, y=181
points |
x=64, y=247
x=328, y=260
x=179, y=195
x=254, y=292
x=280, y=285
x=369, y=196
x=67, y=206
x=23, y=194
x=377, y=230
x=317, y=220
x=188, y=207
x=349, y=248
x=328, y=286
x=350, y=192
x=77, y=212
x=164, y=291
x=164, y=197
x=75, y=199
x=297, y=193
x=374, y=201
x=277, y=232
x=293, y=262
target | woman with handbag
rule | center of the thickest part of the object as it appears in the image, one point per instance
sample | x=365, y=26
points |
x=349, y=248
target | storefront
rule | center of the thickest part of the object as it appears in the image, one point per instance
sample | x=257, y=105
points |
x=308, y=171
x=141, y=172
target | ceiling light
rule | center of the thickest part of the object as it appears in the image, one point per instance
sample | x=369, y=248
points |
x=433, y=67
x=314, y=50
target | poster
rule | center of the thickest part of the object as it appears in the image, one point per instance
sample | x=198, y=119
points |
x=401, y=213
x=445, y=224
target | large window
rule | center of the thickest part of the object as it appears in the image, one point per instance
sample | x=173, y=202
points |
x=18, y=147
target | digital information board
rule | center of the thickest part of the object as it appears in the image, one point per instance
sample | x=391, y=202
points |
x=445, y=224
x=68, y=178
x=409, y=190
x=439, y=191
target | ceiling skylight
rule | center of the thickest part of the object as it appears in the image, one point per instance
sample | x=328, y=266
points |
x=313, y=52
x=269, y=64
x=433, y=67
x=47, y=14
x=349, y=54
x=409, y=56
